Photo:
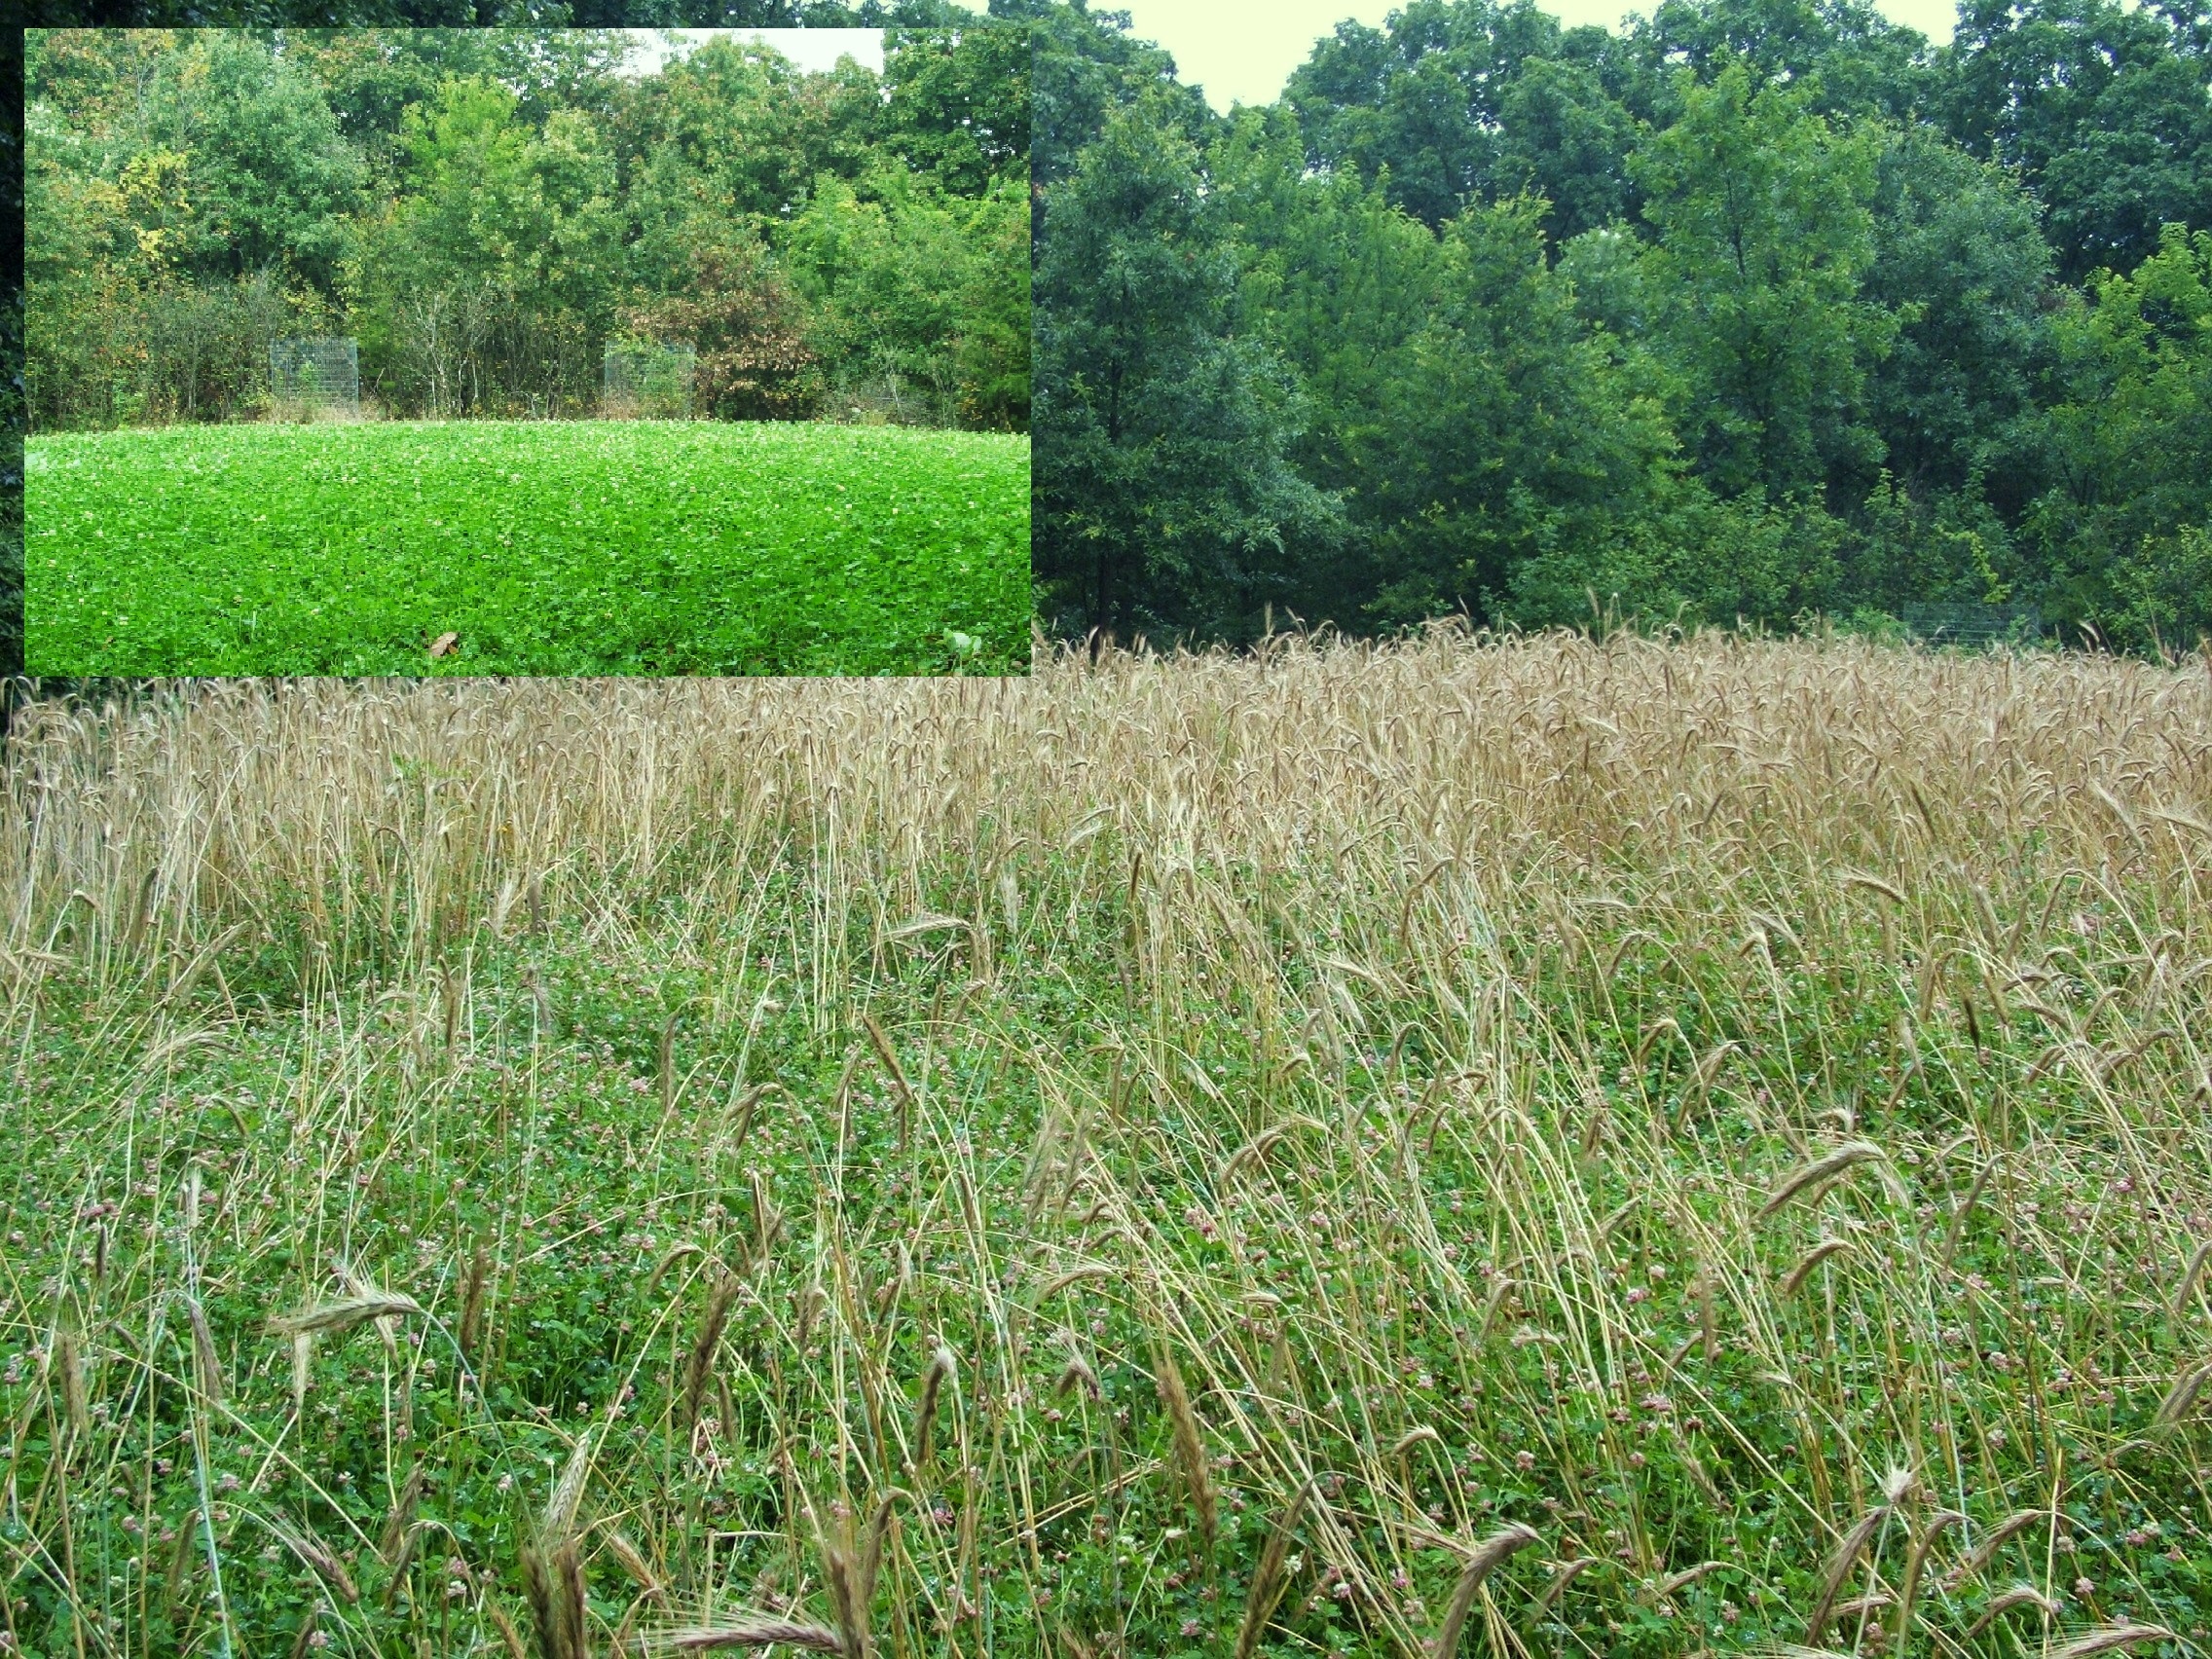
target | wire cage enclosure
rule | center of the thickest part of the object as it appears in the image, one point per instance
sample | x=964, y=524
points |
x=316, y=377
x=1973, y=624
x=648, y=382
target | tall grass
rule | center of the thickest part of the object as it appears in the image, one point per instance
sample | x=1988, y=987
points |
x=1458, y=1147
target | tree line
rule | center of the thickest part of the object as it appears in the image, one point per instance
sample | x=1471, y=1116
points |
x=487, y=211
x=1752, y=308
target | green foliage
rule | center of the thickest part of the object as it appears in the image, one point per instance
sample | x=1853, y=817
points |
x=482, y=210
x=372, y=75
x=2098, y=111
x=1422, y=101
x=892, y=267
x=1942, y=546
x=660, y=379
x=506, y=14
x=1086, y=65
x=1847, y=57
x=739, y=119
x=1335, y=278
x=2164, y=589
x=484, y=288
x=1961, y=264
x=247, y=168
x=1789, y=334
x=2127, y=447
x=1692, y=558
x=959, y=103
x=1566, y=140
x=885, y=272
x=1761, y=210
x=607, y=547
x=994, y=324
x=1163, y=490
x=1504, y=431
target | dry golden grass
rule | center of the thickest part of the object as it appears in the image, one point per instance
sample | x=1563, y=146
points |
x=1174, y=1155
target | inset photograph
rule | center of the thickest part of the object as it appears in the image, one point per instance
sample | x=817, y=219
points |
x=550, y=352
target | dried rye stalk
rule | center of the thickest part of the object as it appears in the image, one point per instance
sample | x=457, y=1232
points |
x=1810, y=1177
x=553, y=1584
x=471, y=1335
x=940, y=1370
x=69, y=1356
x=631, y=1561
x=849, y=1568
x=207, y=1367
x=400, y=1517
x=1795, y=1279
x=342, y=1314
x=2190, y=1276
x=2106, y=1637
x=1994, y=1540
x=1270, y=1579
x=1839, y=1568
x=1498, y=1547
x=1940, y=1522
x=1190, y=1447
x=552, y=1566
x=2175, y=1408
x=744, y=1629
x=880, y=1040
x=2018, y=1596
x=699, y=1366
x=1567, y=1572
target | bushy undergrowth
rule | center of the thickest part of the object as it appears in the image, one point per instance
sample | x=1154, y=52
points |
x=1551, y=1148
x=544, y=547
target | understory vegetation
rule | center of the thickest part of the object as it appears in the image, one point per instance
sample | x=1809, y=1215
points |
x=529, y=548
x=1533, y=1147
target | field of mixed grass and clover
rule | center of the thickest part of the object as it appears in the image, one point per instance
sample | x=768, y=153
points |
x=1445, y=1149
x=528, y=548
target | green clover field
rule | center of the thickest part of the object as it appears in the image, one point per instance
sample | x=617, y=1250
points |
x=541, y=547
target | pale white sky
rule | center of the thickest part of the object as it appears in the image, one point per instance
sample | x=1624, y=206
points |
x=1243, y=51
x=814, y=50
x=1239, y=50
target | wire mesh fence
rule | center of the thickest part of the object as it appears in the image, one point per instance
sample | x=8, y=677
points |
x=316, y=377
x=646, y=382
x=1972, y=624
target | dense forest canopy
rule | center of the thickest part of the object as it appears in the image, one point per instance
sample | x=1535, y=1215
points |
x=1753, y=308
x=503, y=14
x=486, y=212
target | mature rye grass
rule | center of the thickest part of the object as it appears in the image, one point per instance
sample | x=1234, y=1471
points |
x=1173, y=1156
